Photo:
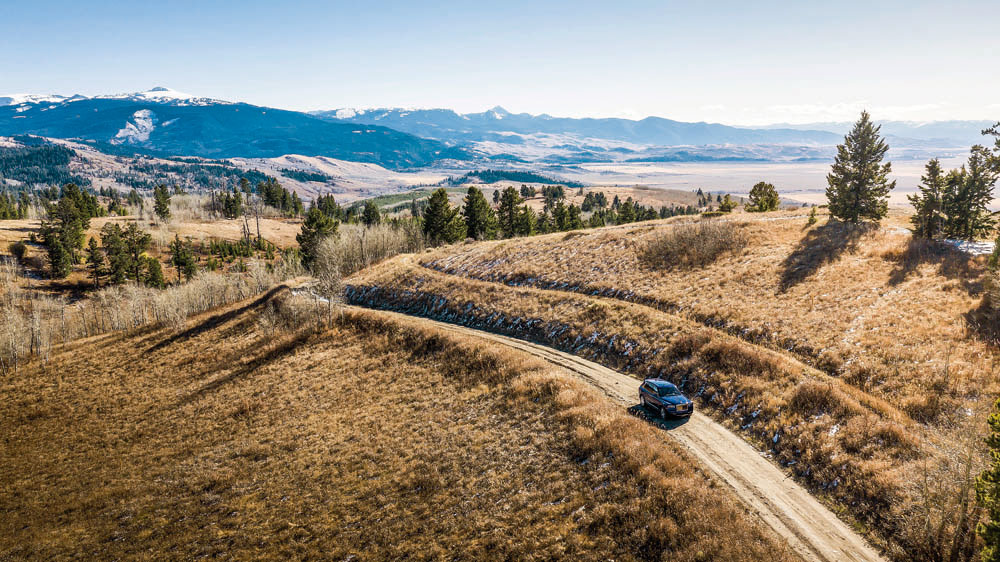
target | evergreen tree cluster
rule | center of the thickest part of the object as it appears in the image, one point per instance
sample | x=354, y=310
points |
x=62, y=230
x=229, y=203
x=44, y=164
x=956, y=204
x=14, y=205
x=277, y=197
x=124, y=251
x=519, y=176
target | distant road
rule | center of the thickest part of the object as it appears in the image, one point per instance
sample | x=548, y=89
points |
x=812, y=530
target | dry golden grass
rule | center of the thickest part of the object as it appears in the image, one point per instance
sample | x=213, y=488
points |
x=876, y=308
x=251, y=434
x=852, y=346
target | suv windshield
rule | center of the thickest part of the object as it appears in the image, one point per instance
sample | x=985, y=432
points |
x=668, y=391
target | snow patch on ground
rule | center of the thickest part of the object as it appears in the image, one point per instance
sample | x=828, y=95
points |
x=973, y=248
x=137, y=130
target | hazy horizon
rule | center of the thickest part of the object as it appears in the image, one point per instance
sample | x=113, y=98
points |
x=737, y=64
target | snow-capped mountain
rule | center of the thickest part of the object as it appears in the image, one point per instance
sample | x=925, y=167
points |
x=159, y=94
x=169, y=122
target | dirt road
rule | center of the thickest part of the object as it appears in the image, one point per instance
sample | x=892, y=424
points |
x=812, y=530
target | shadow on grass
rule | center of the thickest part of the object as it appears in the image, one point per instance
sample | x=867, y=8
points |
x=269, y=356
x=821, y=246
x=951, y=262
x=983, y=323
x=663, y=423
x=218, y=319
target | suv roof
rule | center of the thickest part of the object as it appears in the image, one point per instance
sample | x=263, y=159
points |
x=661, y=383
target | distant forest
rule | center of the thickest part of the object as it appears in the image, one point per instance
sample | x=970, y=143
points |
x=40, y=164
x=493, y=176
x=145, y=174
x=302, y=175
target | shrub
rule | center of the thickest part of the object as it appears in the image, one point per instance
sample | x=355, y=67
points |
x=18, y=249
x=694, y=245
x=712, y=214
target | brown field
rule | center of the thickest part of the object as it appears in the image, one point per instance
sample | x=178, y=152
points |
x=854, y=357
x=253, y=433
x=280, y=232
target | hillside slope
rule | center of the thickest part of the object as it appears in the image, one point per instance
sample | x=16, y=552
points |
x=217, y=130
x=855, y=358
x=251, y=435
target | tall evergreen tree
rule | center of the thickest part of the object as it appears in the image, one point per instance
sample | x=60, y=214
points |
x=525, y=221
x=480, y=220
x=63, y=229
x=154, y=273
x=316, y=227
x=371, y=215
x=967, y=196
x=858, y=181
x=161, y=202
x=112, y=239
x=95, y=261
x=182, y=258
x=442, y=222
x=929, y=217
x=763, y=198
x=137, y=242
x=507, y=212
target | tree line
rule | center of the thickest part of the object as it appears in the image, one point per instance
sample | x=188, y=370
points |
x=952, y=204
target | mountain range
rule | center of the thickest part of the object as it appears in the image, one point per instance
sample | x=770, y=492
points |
x=496, y=125
x=162, y=121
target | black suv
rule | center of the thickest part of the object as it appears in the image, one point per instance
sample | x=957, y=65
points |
x=665, y=398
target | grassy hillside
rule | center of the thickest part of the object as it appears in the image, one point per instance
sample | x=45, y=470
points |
x=853, y=357
x=251, y=432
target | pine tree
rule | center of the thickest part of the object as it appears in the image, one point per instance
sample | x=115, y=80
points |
x=182, y=258
x=727, y=205
x=112, y=240
x=858, y=181
x=60, y=260
x=988, y=492
x=161, y=202
x=316, y=227
x=136, y=242
x=154, y=274
x=480, y=220
x=967, y=195
x=95, y=261
x=442, y=222
x=371, y=215
x=507, y=212
x=525, y=221
x=812, y=217
x=763, y=198
x=928, y=219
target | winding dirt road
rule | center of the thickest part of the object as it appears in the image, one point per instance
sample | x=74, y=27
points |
x=814, y=532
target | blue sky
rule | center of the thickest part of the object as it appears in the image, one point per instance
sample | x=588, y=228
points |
x=730, y=62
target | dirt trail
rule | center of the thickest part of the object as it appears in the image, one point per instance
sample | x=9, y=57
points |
x=811, y=529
